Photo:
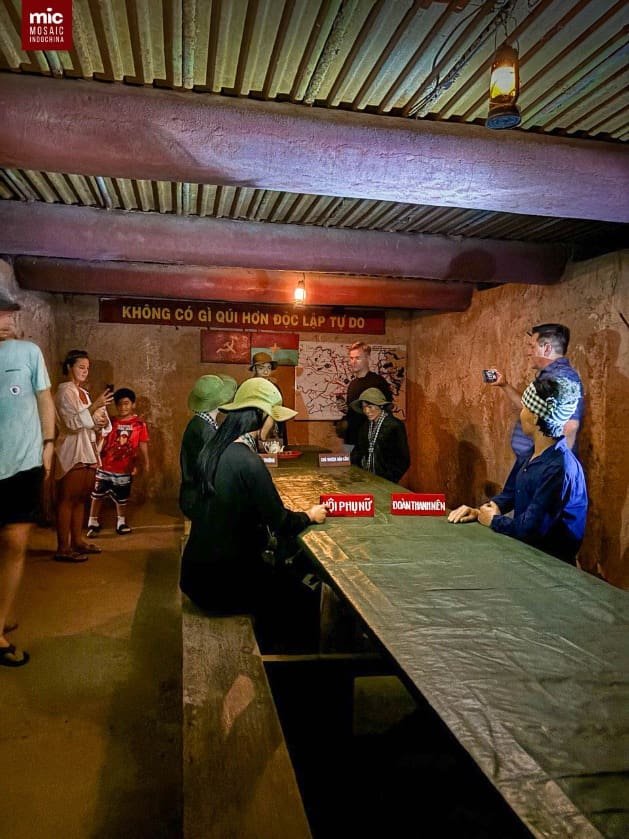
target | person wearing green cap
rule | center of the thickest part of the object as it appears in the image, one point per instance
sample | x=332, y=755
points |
x=382, y=445
x=203, y=400
x=262, y=367
x=223, y=569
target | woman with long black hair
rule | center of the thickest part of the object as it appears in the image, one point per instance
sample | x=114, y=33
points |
x=223, y=570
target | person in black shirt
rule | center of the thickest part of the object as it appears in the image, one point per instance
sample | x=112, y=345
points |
x=223, y=569
x=203, y=400
x=364, y=378
x=382, y=446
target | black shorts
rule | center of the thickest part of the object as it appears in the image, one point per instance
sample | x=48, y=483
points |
x=20, y=497
x=117, y=487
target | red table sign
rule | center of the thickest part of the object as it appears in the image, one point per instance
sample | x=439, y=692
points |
x=348, y=505
x=334, y=460
x=418, y=504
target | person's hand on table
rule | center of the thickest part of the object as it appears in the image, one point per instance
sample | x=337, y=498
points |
x=463, y=514
x=317, y=513
x=487, y=512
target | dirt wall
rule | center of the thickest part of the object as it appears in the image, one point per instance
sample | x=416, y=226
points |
x=161, y=363
x=35, y=320
x=458, y=428
x=460, y=443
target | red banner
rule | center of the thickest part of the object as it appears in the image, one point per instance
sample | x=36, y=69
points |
x=418, y=504
x=239, y=316
x=348, y=505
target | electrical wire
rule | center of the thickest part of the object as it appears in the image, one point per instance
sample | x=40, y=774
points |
x=505, y=12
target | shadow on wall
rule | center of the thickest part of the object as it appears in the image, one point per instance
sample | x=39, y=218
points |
x=473, y=485
x=472, y=266
x=158, y=485
x=606, y=463
x=448, y=462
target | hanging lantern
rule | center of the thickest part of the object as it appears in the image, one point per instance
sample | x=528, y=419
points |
x=504, y=87
x=299, y=295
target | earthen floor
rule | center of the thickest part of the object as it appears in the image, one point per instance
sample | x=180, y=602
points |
x=90, y=742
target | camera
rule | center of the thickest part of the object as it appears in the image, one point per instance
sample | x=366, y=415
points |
x=490, y=376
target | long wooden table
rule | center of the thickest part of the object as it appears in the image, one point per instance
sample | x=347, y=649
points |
x=525, y=658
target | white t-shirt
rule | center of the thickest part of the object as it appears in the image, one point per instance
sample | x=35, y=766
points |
x=22, y=374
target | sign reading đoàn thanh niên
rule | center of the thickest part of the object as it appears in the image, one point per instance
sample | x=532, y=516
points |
x=239, y=316
x=418, y=504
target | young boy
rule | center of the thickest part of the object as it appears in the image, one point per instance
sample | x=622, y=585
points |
x=129, y=435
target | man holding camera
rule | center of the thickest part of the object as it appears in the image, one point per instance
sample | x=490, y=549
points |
x=546, y=350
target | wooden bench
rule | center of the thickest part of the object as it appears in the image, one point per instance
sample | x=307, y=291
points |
x=238, y=780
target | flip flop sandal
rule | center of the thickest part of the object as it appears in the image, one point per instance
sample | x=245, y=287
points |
x=75, y=556
x=12, y=657
x=10, y=627
x=89, y=549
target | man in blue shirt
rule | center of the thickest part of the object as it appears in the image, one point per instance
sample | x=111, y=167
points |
x=546, y=349
x=547, y=493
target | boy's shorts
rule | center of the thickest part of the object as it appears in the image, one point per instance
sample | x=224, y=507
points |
x=110, y=484
x=20, y=497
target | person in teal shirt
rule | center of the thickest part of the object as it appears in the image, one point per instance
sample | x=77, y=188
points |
x=27, y=422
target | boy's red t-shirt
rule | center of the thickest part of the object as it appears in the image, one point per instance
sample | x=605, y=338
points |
x=120, y=448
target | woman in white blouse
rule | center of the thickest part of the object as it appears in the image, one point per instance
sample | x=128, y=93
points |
x=81, y=423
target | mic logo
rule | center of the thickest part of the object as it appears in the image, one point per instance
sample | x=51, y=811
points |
x=47, y=25
x=47, y=17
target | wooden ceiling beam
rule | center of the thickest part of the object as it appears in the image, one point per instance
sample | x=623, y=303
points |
x=117, y=130
x=54, y=230
x=235, y=285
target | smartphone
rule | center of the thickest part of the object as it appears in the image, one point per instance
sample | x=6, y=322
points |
x=109, y=387
x=490, y=376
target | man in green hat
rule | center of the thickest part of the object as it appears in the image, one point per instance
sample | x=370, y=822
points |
x=203, y=400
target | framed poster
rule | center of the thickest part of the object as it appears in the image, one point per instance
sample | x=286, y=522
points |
x=323, y=375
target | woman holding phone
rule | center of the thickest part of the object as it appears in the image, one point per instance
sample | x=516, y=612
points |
x=81, y=424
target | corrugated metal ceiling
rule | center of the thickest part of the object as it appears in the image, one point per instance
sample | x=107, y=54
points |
x=384, y=56
x=293, y=208
x=417, y=59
